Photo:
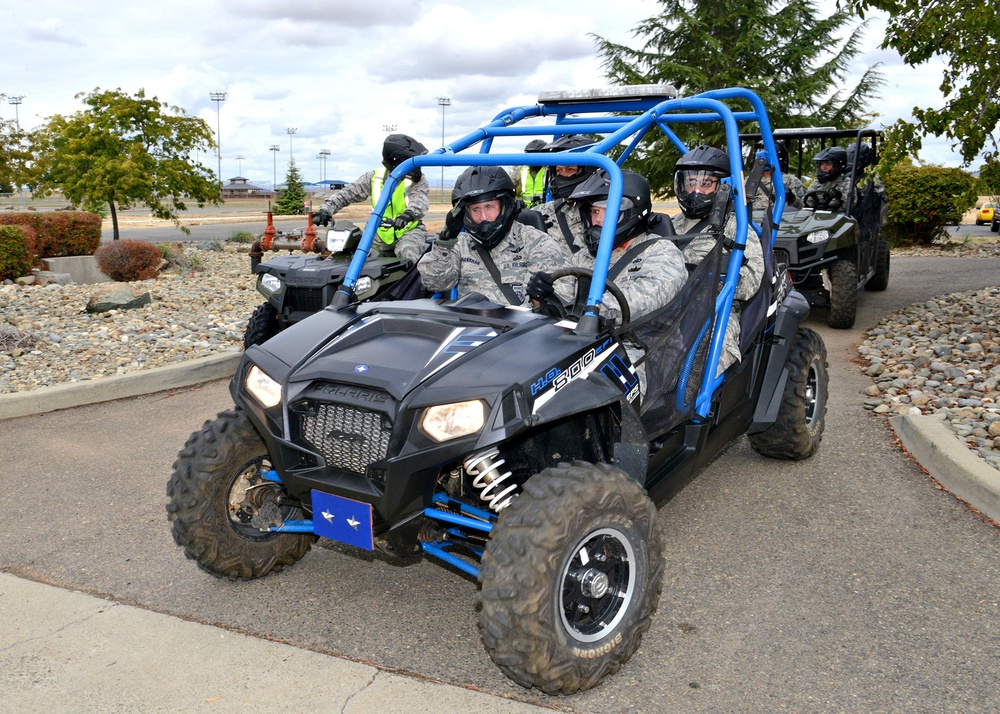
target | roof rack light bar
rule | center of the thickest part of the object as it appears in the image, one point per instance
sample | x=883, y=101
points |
x=633, y=91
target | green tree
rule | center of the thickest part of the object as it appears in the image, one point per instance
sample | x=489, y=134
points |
x=14, y=156
x=784, y=50
x=960, y=33
x=125, y=150
x=293, y=197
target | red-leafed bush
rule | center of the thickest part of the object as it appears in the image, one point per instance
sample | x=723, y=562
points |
x=17, y=251
x=59, y=233
x=128, y=260
x=75, y=232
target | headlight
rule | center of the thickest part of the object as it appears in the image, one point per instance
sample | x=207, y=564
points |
x=336, y=240
x=363, y=285
x=262, y=388
x=270, y=283
x=450, y=421
x=818, y=237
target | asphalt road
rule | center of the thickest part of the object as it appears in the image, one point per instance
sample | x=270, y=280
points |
x=843, y=583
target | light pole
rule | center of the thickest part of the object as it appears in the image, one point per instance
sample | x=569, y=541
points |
x=274, y=180
x=240, y=160
x=291, y=130
x=323, y=153
x=16, y=101
x=443, y=102
x=218, y=98
x=389, y=127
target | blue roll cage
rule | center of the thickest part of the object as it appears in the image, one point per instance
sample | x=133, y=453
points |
x=618, y=120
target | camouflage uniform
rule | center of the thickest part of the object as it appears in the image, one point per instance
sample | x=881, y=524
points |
x=794, y=192
x=751, y=276
x=523, y=252
x=574, y=221
x=417, y=197
x=649, y=283
x=412, y=244
x=831, y=195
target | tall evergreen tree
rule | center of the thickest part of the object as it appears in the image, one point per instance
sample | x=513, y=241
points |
x=783, y=50
x=293, y=197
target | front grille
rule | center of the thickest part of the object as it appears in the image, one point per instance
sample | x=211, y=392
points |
x=304, y=299
x=347, y=437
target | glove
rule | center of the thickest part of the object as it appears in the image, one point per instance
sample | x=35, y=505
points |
x=448, y=237
x=403, y=220
x=322, y=217
x=540, y=286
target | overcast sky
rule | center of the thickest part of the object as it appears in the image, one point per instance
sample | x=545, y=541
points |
x=341, y=72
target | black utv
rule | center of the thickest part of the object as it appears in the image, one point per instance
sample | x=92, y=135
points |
x=517, y=447
x=295, y=286
x=835, y=248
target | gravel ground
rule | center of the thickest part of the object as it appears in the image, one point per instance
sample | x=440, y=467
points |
x=47, y=337
x=941, y=357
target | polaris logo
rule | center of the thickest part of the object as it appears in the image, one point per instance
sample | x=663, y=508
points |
x=343, y=436
x=355, y=394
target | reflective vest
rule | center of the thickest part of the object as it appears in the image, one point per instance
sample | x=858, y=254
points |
x=397, y=205
x=532, y=186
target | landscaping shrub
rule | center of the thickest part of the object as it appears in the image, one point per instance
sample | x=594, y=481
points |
x=59, y=233
x=17, y=251
x=128, y=260
x=240, y=237
x=923, y=200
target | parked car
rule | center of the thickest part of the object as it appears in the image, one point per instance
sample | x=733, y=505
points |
x=986, y=214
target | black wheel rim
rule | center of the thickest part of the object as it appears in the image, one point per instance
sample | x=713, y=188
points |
x=598, y=585
x=811, y=396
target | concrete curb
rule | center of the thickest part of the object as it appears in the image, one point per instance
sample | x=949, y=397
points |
x=92, y=391
x=938, y=449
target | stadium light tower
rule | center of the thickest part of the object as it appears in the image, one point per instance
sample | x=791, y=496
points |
x=291, y=130
x=16, y=101
x=443, y=102
x=323, y=153
x=218, y=98
x=274, y=179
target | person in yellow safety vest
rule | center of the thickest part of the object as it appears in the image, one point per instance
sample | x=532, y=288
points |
x=529, y=181
x=410, y=201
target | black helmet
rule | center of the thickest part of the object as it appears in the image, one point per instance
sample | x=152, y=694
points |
x=835, y=154
x=700, y=164
x=866, y=157
x=534, y=146
x=486, y=183
x=397, y=148
x=633, y=217
x=782, y=154
x=563, y=186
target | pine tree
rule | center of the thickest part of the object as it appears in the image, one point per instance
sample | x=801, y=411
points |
x=293, y=197
x=781, y=49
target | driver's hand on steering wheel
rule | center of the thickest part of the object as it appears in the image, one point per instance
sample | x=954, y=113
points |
x=540, y=286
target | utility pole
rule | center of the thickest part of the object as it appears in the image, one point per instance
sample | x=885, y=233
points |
x=443, y=102
x=218, y=98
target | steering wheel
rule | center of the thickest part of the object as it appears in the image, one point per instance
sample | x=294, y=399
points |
x=580, y=299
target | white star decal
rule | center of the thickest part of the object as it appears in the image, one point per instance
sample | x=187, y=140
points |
x=328, y=516
x=353, y=523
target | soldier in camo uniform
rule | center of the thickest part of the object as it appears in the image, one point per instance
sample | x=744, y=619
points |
x=410, y=201
x=562, y=219
x=794, y=190
x=696, y=179
x=484, y=205
x=830, y=190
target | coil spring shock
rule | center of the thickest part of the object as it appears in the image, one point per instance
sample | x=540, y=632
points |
x=485, y=468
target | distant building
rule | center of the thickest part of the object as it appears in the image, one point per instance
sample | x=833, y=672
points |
x=239, y=187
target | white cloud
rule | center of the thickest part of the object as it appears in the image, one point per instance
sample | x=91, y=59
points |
x=340, y=71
